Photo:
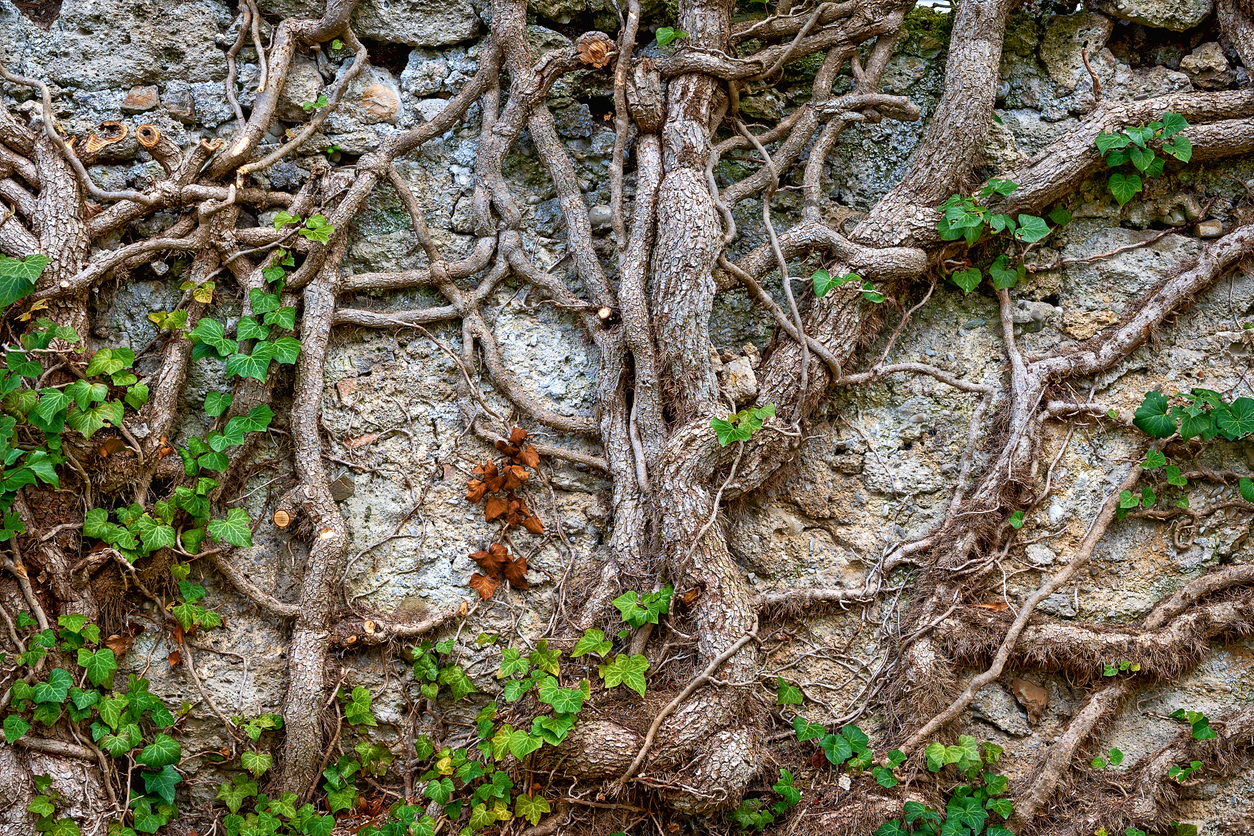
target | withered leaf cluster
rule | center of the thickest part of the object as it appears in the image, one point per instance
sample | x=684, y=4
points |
x=497, y=563
x=497, y=483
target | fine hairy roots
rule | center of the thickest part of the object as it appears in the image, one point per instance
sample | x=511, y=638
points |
x=646, y=303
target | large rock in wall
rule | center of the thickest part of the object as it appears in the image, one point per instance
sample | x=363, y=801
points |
x=397, y=435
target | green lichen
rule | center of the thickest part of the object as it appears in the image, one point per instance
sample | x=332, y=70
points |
x=927, y=32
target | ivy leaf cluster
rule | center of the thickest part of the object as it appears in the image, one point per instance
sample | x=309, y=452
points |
x=742, y=425
x=1136, y=145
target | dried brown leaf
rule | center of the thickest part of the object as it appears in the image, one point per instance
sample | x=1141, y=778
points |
x=515, y=475
x=529, y=457
x=517, y=436
x=484, y=585
x=110, y=446
x=475, y=490
x=490, y=562
x=119, y=644
x=360, y=441
x=495, y=507
x=516, y=573
x=595, y=52
x=505, y=447
x=533, y=524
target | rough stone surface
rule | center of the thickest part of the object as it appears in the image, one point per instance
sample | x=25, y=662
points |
x=411, y=22
x=1176, y=15
x=877, y=467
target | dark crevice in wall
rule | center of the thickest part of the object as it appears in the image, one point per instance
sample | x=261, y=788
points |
x=43, y=12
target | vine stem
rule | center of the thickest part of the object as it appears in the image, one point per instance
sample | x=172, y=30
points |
x=670, y=707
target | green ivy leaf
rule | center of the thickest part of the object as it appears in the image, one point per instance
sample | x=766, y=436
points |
x=1154, y=459
x=1031, y=229
x=1016, y=519
x=563, y=700
x=252, y=365
x=257, y=420
x=109, y=361
x=1059, y=216
x=513, y=741
x=806, y=730
x=593, y=641
x=1173, y=123
x=283, y=218
x=18, y=276
x=235, y=792
x=217, y=403
x=626, y=670
x=1237, y=420
x=256, y=763
x=211, y=333
x=1107, y=142
x=357, y=711
x=966, y=812
x=1141, y=157
x=531, y=808
x=286, y=350
x=56, y=689
x=968, y=279
x=553, y=729
x=666, y=34
x=164, y=750
x=1124, y=187
x=935, y=756
x=99, y=665
x=837, y=748
x=317, y=229
x=545, y=658
x=234, y=530
x=284, y=318
x=1180, y=148
x=1004, y=278
x=787, y=694
x=162, y=783
x=1152, y=417
x=14, y=728
x=884, y=777
x=824, y=282
x=459, y=684
x=439, y=790
x=250, y=329
x=892, y=828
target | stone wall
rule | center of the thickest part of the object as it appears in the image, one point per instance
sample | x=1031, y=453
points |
x=877, y=469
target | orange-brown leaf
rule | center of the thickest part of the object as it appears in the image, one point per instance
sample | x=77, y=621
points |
x=495, y=482
x=533, y=524
x=484, y=585
x=360, y=441
x=119, y=644
x=516, y=573
x=175, y=659
x=515, y=475
x=595, y=52
x=529, y=457
x=505, y=447
x=475, y=490
x=517, y=436
x=494, y=507
x=110, y=446
x=490, y=562
x=995, y=606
